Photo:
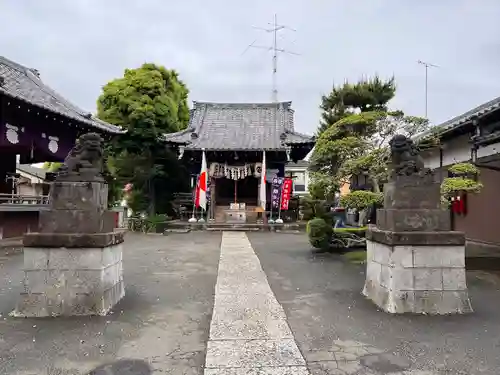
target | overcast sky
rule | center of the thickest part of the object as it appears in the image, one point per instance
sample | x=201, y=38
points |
x=79, y=45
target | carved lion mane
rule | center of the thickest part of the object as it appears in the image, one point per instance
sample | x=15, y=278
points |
x=405, y=158
x=86, y=156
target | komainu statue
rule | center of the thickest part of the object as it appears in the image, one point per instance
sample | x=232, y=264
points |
x=84, y=161
x=405, y=159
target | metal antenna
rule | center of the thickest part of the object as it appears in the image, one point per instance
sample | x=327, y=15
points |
x=427, y=66
x=274, y=29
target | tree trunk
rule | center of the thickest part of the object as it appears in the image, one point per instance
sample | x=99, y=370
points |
x=376, y=187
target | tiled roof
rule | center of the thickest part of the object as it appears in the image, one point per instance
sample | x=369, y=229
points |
x=240, y=126
x=34, y=171
x=298, y=164
x=20, y=82
x=463, y=119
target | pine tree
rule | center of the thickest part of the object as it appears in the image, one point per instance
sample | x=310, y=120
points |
x=357, y=140
x=366, y=95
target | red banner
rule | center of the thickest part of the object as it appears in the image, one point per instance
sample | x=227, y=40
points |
x=286, y=192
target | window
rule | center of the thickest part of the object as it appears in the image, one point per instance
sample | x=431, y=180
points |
x=299, y=182
x=299, y=188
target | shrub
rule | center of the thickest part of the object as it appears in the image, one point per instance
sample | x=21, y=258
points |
x=319, y=233
x=464, y=169
x=464, y=180
x=156, y=223
x=343, y=238
x=314, y=208
x=358, y=231
x=361, y=199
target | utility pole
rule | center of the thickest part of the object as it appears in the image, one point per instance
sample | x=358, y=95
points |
x=427, y=66
x=275, y=27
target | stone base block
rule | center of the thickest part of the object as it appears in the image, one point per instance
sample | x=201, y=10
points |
x=74, y=281
x=65, y=195
x=417, y=279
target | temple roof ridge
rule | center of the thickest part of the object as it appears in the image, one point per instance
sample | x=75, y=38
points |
x=243, y=104
x=240, y=126
x=23, y=83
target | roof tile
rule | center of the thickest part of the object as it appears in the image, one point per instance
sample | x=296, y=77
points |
x=462, y=119
x=22, y=83
x=240, y=126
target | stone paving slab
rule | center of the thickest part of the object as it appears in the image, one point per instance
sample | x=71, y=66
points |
x=253, y=353
x=290, y=370
x=243, y=316
x=249, y=333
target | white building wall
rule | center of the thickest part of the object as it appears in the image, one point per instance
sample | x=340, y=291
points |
x=457, y=151
x=488, y=150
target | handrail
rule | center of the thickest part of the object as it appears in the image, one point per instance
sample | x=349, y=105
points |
x=23, y=199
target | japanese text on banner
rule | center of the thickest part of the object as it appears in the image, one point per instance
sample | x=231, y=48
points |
x=286, y=193
x=276, y=191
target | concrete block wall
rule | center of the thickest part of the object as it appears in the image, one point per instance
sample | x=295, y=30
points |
x=75, y=281
x=417, y=279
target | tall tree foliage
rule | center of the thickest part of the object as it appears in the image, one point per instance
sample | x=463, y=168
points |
x=344, y=100
x=357, y=142
x=148, y=102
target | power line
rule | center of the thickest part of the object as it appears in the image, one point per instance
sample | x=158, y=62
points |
x=427, y=65
x=275, y=27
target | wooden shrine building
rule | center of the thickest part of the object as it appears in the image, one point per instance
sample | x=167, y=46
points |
x=234, y=137
x=36, y=125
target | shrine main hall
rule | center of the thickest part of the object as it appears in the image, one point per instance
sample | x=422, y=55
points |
x=235, y=137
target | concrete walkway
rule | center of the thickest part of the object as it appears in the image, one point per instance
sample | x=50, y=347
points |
x=249, y=333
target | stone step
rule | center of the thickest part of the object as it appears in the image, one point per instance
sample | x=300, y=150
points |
x=229, y=229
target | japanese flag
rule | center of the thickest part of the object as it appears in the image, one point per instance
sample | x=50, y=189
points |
x=201, y=194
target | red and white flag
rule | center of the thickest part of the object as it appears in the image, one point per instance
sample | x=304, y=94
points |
x=201, y=188
x=263, y=193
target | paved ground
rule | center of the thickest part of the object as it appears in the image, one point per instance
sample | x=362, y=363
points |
x=274, y=300
x=164, y=318
x=327, y=313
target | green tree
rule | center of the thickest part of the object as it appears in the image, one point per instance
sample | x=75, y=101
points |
x=366, y=95
x=51, y=166
x=464, y=178
x=148, y=102
x=357, y=143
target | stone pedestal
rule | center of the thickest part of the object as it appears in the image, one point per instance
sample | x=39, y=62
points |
x=73, y=265
x=415, y=263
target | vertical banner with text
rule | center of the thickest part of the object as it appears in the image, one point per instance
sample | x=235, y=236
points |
x=277, y=183
x=286, y=193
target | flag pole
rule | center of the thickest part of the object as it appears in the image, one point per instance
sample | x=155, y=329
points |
x=202, y=188
x=263, y=189
x=279, y=220
x=193, y=219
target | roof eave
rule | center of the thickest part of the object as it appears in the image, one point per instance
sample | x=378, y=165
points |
x=113, y=129
x=300, y=143
x=462, y=120
x=238, y=149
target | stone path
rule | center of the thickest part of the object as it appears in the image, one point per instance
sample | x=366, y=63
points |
x=249, y=333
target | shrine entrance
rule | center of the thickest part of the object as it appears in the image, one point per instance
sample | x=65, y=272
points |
x=237, y=191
